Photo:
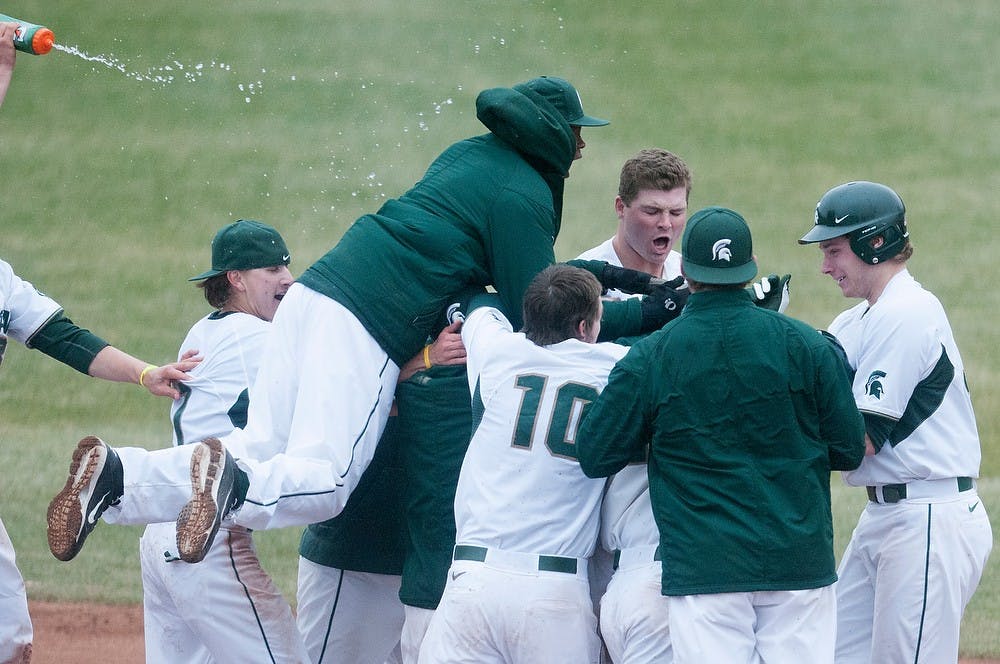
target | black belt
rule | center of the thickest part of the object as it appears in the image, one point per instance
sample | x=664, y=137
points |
x=893, y=493
x=545, y=563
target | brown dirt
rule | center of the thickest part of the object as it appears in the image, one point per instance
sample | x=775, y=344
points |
x=86, y=633
x=103, y=634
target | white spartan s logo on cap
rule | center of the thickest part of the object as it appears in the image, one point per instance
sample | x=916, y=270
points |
x=721, y=251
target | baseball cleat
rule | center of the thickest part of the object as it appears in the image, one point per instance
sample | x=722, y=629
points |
x=95, y=482
x=212, y=497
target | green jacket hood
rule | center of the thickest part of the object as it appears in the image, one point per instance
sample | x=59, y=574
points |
x=531, y=125
x=536, y=129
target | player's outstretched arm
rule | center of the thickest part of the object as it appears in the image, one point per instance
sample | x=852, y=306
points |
x=88, y=353
x=116, y=365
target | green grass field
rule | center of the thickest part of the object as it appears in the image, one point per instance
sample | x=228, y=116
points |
x=306, y=114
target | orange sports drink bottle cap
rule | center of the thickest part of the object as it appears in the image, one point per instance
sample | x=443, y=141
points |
x=42, y=41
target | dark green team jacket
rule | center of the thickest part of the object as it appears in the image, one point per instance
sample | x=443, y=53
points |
x=745, y=412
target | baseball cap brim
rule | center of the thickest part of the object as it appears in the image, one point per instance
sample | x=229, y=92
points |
x=207, y=275
x=716, y=275
x=588, y=121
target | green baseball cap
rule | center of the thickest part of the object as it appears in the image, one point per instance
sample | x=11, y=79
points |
x=245, y=245
x=717, y=248
x=561, y=94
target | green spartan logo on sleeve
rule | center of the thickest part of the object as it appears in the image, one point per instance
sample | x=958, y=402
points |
x=873, y=387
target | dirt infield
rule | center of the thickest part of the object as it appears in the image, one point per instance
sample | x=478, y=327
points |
x=102, y=634
x=86, y=633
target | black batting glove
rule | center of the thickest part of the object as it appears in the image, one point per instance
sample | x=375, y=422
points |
x=613, y=277
x=663, y=303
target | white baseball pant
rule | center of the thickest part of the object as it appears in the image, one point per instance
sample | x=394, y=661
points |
x=772, y=627
x=320, y=403
x=906, y=576
x=15, y=624
x=348, y=616
x=224, y=609
x=634, y=618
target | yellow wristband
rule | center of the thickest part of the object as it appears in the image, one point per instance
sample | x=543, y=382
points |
x=142, y=376
x=427, y=356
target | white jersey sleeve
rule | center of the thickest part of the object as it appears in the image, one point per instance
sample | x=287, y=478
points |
x=521, y=487
x=215, y=401
x=23, y=310
x=908, y=369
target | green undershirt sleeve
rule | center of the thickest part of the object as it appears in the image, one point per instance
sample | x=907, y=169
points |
x=72, y=345
x=878, y=429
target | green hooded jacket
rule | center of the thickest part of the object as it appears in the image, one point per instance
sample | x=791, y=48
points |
x=486, y=213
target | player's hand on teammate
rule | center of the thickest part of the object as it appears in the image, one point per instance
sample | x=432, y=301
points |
x=664, y=303
x=162, y=381
x=771, y=292
x=448, y=347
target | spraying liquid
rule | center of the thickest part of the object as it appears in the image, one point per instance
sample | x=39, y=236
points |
x=30, y=38
x=163, y=75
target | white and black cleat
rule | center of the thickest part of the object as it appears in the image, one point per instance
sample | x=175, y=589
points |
x=95, y=482
x=213, y=473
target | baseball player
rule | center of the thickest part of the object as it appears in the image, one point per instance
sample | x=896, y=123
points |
x=485, y=213
x=134, y=485
x=742, y=413
x=227, y=608
x=350, y=567
x=38, y=322
x=436, y=410
x=526, y=517
x=348, y=606
x=653, y=191
x=920, y=546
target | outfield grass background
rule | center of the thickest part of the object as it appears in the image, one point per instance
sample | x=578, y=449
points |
x=307, y=114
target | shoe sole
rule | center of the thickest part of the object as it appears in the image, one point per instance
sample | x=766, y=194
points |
x=198, y=521
x=65, y=515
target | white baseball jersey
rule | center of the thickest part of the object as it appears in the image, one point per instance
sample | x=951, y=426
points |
x=521, y=487
x=908, y=369
x=215, y=402
x=182, y=616
x=23, y=311
x=911, y=566
x=522, y=500
x=626, y=514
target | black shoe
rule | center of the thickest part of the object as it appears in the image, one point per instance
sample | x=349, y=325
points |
x=95, y=482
